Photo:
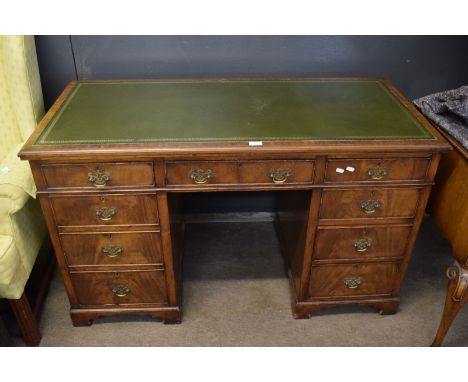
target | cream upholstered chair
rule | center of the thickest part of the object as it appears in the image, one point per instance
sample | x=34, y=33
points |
x=22, y=228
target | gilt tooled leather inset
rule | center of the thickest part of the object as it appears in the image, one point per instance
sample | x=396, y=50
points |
x=226, y=110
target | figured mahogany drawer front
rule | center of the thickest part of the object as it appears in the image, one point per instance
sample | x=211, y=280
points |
x=120, y=288
x=99, y=175
x=351, y=280
x=361, y=243
x=243, y=172
x=105, y=209
x=112, y=248
x=376, y=170
x=369, y=203
x=201, y=173
x=276, y=172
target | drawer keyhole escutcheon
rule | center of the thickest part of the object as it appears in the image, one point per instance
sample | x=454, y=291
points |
x=201, y=176
x=105, y=213
x=112, y=250
x=99, y=178
x=353, y=282
x=120, y=290
x=280, y=175
x=378, y=172
x=362, y=245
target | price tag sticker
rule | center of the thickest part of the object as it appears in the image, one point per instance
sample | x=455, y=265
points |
x=255, y=143
x=339, y=170
x=350, y=169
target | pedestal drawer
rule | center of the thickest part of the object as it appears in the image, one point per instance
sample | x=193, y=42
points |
x=376, y=170
x=361, y=243
x=112, y=248
x=369, y=203
x=120, y=288
x=351, y=280
x=105, y=209
x=99, y=175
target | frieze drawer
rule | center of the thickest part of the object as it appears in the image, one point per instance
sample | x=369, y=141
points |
x=261, y=172
x=376, y=170
x=276, y=172
x=99, y=175
x=201, y=173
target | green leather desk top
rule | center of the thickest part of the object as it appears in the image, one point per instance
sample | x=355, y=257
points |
x=230, y=110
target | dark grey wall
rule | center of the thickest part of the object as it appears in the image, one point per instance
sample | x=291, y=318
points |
x=416, y=65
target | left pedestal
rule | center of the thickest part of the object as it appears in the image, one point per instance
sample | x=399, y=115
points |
x=111, y=234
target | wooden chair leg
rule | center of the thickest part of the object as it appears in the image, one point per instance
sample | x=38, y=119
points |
x=454, y=301
x=26, y=320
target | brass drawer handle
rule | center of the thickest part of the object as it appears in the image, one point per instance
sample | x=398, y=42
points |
x=362, y=245
x=370, y=206
x=112, y=250
x=377, y=172
x=121, y=290
x=353, y=282
x=280, y=175
x=98, y=178
x=105, y=213
x=201, y=176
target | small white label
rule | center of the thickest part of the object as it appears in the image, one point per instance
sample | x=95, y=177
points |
x=255, y=143
x=5, y=169
x=350, y=169
x=339, y=170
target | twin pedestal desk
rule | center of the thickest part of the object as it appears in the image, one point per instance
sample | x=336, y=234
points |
x=351, y=163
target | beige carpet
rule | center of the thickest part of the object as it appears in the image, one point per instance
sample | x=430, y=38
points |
x=236, y=294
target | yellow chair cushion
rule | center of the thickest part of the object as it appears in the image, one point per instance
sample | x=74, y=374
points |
x=25, y=229
x=15, y=172
x=12, y=272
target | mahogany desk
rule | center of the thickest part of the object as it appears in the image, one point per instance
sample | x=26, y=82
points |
x=351, y=161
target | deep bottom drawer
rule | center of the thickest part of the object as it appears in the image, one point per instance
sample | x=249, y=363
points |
x=351, y=280
x=120, y=288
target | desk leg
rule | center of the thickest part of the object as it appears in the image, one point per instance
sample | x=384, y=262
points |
x=454, y=301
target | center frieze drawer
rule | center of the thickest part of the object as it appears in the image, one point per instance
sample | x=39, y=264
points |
x=129, y=248
x=120, y=288
x=105, y=209
x=187, y=173
x=98, y=175
x=352, y=280
x=369, y=203
x=261, y=172
x=376, y=170
x=338, y=243
x=276, y=172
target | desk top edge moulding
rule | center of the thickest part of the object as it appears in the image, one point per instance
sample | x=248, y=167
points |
x=350, y=160
x=226, y=114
